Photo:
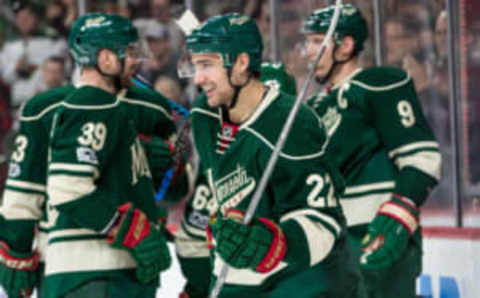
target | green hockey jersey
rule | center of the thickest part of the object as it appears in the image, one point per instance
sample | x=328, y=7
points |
x=379, y=139
x=301, y=193
x=24, y=196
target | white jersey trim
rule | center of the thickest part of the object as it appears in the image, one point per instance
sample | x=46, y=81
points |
x=362, y=209
x=41, y=114
x=246, y=277
x=189, y=247
x=284, y=155
x=26, y=185
x=67, y=188
x=74, y=168
x=205, y=112
x=270, y=97
x=320, y=240
x=85, y=255
x=413, y=146
x=382, y=88
x=427, y=162
x=147, y=104
x=70, y=232
x=303, y=213
x=20, y=205
x=91, y=107
x=369, y=187
x=348, y=78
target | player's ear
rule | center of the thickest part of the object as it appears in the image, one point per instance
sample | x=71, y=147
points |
x=241, y=65
x=346, y=48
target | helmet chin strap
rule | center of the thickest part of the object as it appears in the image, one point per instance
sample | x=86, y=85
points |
x=236, y=88
x=323, y=80
x=116, y=78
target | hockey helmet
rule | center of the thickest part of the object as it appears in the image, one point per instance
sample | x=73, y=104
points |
x=95, y=31
x=229, y=35
x=350, y=22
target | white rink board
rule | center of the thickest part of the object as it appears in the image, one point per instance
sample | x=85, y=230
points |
x=451, y=264
x=447, y=261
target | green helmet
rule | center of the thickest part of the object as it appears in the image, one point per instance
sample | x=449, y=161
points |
x=276, y=73
x=229, y=35
x=350, y=22
x=95, y=31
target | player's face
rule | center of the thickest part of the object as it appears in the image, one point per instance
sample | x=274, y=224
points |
x=212, y=77
x=312, y=47
x=130, y=67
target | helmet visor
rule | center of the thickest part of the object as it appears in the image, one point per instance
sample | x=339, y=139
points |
x=185, y=67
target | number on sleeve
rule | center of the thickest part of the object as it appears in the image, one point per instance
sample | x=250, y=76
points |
x=21, y=143
x=322, y=194
x=203, y=199
x=405, y=111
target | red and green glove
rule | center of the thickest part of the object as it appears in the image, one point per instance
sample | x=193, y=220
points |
x=18, y=271
x=260, y=246
x=144, y=240
x=389, y=232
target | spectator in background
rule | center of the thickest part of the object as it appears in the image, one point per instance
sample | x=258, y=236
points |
x=163, y=60
x=161, y=14
x=59, y=16
x=21, y=57
x=52, y=74
x=441, y=48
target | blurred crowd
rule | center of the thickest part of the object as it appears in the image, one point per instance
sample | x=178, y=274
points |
x=34, y=55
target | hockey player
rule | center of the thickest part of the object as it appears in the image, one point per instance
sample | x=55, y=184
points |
x=384, y=148
x=295, y=246
x=24, y=198
x=190, y=239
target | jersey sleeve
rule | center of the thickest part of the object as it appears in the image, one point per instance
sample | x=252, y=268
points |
x=399, y=119
x=151, y=112
x=82, y=146
x=25, y=188
x=191, y=240
x=305, y=188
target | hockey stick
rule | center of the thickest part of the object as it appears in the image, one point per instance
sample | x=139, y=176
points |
x=280, y=143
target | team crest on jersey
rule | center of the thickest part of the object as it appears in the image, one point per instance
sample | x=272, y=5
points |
x=233, y=188
x=331, y=120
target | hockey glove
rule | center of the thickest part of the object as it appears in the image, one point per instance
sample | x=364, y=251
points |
x=389, y=232
x=18, y=271
x=259, y=246
x=143, y=239
x=159, y=156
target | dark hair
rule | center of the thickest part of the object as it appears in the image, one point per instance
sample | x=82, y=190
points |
x=57, y=59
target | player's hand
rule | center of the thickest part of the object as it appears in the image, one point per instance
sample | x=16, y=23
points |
x=18, y=271
x=159, y=155
x=144, y=240
x=259, y=246
x=388, y=234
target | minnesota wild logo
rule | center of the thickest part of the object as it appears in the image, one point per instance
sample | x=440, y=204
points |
x=331, y=120
x=233, y=188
